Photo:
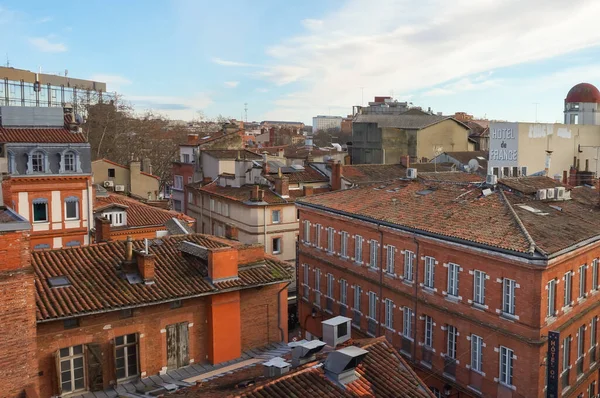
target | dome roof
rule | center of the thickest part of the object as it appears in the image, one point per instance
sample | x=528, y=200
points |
x=583, y=92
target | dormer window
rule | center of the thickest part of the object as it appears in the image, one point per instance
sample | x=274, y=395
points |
x=38, y=163
x=117, y=218
x=69, y=162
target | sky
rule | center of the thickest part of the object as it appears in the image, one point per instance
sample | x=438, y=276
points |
x=291, y=60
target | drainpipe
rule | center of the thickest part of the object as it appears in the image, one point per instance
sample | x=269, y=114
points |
x=415, y=334
x=279, y=311
x=89, y=219
x=265, y=227
x=380, y=280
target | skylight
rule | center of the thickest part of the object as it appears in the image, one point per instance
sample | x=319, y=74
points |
x=480, y=158
x=424, y=192
x=533, y=210
x=59, y=281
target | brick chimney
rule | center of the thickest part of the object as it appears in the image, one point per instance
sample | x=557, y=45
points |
x=405, y=161
x=145, y=263
x=222, y=263
x=251, y=253
x=102, y=226
x=6, y=190
x=231, y=232
x=266, y=168
x=282, y=186
x=192, y=139
x=336, y=175
x=254, y=193
x=308, y=190
x=261, y=195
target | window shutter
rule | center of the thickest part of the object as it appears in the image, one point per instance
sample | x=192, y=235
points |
x=93, y=360
x=57, y=364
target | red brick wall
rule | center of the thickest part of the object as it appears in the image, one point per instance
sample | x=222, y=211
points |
x=526, y=336
x=259, y=316
x=18, y=367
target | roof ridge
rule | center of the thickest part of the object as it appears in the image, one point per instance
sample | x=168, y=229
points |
x=532, y=245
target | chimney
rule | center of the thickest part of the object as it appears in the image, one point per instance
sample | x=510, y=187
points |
x=147, y=165
x=145, y=263
x=405, y=161
x=306, y=351
x=282, y=186
x=336, y=175
x=308, y=190
x=254, y=193
x=266, y=168
x=565, y=179
x=6, y=191
x=129, y=248
x=587, y=165
x=261, y=195
x=231, y=232
x=102, y=226
x=206, y=180
x=192, y=139
x=222, y=263
x=340, y=366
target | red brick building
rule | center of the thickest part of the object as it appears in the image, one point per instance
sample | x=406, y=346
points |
x=465, y=282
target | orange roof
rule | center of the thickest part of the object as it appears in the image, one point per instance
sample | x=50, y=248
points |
x=40, y=135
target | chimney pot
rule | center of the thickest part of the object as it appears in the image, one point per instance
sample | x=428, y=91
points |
x=254, y=193
x=129, y=248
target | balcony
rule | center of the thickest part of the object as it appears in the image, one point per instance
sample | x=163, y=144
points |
x=329, y=304
x=372, y=327
x=564, y=378
x=356, y=315
x=343, y=310
x=450, y=367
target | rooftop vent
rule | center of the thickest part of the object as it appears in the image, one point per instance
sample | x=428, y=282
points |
x=305, y=352
x=336, y=330
x=340, y=366
x=59, y=281
x=276, y=367
x=194, y=250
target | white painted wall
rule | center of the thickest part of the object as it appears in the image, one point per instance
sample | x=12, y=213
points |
x=23, y=205
x=56, y=207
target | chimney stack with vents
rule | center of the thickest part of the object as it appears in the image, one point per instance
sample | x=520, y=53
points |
x=305, y=352
x=340, y=366
x=282, y=185
x=145, y=262
x=102, y=226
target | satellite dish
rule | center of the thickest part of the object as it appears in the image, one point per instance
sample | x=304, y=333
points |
x=473, y=165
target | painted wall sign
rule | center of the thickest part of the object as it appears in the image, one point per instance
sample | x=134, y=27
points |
x=552, y=364
x=504, y=144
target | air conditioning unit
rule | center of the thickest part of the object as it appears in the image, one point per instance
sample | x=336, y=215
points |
x=541, y=194
x=119, y=188
x=336, y=330
x=491, y=179
x=560, y=193
x=550, y=193
x=411, y=173
x=109, y=184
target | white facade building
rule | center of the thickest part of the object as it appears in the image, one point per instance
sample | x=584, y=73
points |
x=326, y=122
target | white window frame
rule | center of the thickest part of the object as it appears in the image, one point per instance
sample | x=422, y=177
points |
x=506, y=366
x=428, y=331
x=508, y=296
x=45, y=203
x=318, y=235
x=212, y=204
x=127, y=348
x=344, y=244
x=306, y=231
x=76, y=203
x=276, y=216
x=358, y=248
x=593, y=331
x=390, y=259
x=389, y=314
x=453, y=270
x=330, y=240
x=476, y=353
x=580, y=342
x=408, y=272
x=330, y=280
x=429, y=277
x=357, y=298
x=278, y=240
x=595, y=274
x=566, y=353
x=318, y=287
x=582, y=281
x=219, y=207
x=407, y=315
x=226, y=209
x=551, y=298
x=178, y=182
x=344, y=291
x=479, y=287
x=451, y=340
x=306, y=282
x=568, y=291
x=372, y=305
x=71, y=358
x=373, y=253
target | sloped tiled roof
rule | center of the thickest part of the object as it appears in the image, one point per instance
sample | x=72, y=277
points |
x=231, y=154
x=451, y=176
x=531, y=184
x=301, y=151
x=40, y=135
x=241, y=194
x=97, y=286
x=369, y=173
x=308, y=174
x=382, y=373
x=140, y=214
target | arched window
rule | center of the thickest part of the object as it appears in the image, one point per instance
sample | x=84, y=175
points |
x=38, y=162
x=69, y=162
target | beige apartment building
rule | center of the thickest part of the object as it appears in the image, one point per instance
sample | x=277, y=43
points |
x=133, y=179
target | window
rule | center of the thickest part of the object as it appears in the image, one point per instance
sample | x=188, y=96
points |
x=176, y=304
x=479, y=287
x=330, y=280
x=212, y=204
x=357, y=297
x=72, y=208
x=71, y=323
x=390, y=259
x=177, y=205
x=407, y=322
x=330, y=240
x=126, y=356
x=190, y=198
x=219, y=211
x=111, y=173
x=69, y=162
x=318, y=287
x=275, y=216
x=582, y=271
x=344, y=292
x=306, y=285
x=595, y=274
x=428, y=331
x=186, y=158
x=580, y=342
x=566, y=360
x=306, y=231
x=38, y=162
x=373, y=253
x=372, y=305
x=453, y=279
x=408, y=265
x=592, y=390
x=451, y=336
x=429, y=272
x=118, y=218
x=551, y=298
x=508, y=297
x=40, y=210
x=344, y=244
x=72, y=369
x=12, y=167
x=568, y=285
x=178, y=182
x=41, y=246
x=276, y=245
x=506, y=365
x=476, y=352
x=318, y=235
x=358, y=243
x=593, y=329
x=226, y=209
x=389, y=314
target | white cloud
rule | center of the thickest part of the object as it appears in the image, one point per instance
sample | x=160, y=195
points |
x=406, y=49
x=224, y=62
x=184, y=108
x=113, y=82
x=45, y=45
x=231, y=84
x=44, y=20
x=262, y=90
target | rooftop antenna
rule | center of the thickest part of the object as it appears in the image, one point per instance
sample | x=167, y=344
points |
x=7, y=61
x=246, y=112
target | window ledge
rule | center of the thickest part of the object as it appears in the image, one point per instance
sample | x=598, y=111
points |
x=480, y=307
x=426, y=364
x=507, y=385
x=408, y=283
x=388, y=275
x=453, y=299
x=509, y=317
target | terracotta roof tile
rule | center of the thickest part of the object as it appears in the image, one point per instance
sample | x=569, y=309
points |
x=369, y=173
x=241, y=194
x=97, y=286
x=40, y=135
x=308, y=174
x=140, y=214
x=231, y=154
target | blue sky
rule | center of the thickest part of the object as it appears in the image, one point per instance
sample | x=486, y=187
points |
x=294, y=60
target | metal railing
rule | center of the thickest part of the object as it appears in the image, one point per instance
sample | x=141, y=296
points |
x=356, y=318
x=372, y=327
x=564, y=378
x=343, y=310
x=450, y=366
x=329, y=304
